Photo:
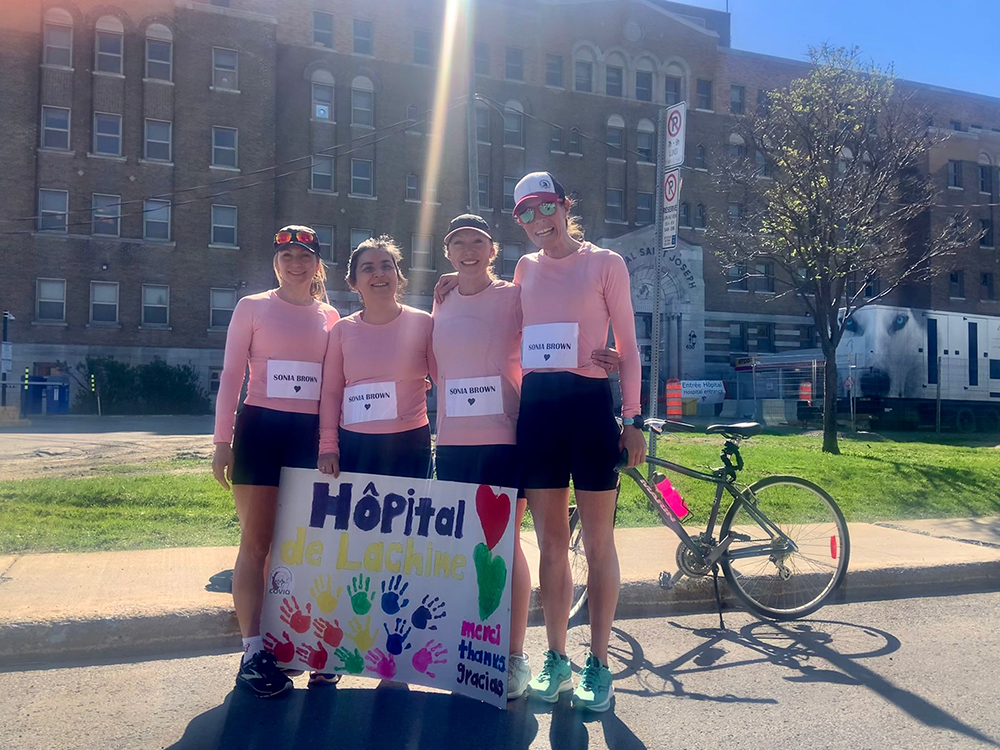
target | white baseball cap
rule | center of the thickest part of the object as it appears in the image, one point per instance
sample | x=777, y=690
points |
x=538, y=185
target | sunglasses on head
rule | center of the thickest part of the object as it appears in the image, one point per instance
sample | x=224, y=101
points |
x=298, y=235
x=528, y=215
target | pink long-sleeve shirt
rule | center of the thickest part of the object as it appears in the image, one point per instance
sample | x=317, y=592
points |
x=284, y=345
x=374, y=377
x=477, y=348
x=588, y=288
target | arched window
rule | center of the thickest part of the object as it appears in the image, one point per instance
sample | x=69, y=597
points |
x=513, y=124
x=159, y=53
x=58, y=35
x=699, y=157
x=985, y=174
x=323, y=87
x=362, y=102
x=673, y=84
x=615, y=137
x=412, y=187
x=109, y=44
x=583, y=69
x=645, y=77
x=646, y=141
x=699, y=216
x=615, y=75
x=737, y=147
x=763, y=165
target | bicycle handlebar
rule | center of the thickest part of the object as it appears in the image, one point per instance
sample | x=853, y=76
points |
x=660, y=425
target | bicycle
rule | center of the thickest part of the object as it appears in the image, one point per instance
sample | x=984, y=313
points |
x=783, y=544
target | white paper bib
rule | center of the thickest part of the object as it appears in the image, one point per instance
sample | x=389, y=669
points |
x=473, y=397
x=290, y=379
x=369, y=402
x=550, y=345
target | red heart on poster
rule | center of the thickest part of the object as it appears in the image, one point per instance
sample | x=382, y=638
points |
x=494, y=512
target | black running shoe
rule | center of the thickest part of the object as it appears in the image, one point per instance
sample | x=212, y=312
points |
x=261, y=676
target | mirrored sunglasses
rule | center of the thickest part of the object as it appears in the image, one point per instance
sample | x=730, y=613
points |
x=528, y=215
x=299, y=235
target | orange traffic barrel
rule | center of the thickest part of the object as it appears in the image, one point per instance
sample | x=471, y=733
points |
x=806, y=392
x=674, y=406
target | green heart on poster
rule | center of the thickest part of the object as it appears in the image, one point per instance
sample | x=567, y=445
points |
x=491, y=575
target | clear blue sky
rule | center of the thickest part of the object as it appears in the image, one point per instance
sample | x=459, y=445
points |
x=950, y=43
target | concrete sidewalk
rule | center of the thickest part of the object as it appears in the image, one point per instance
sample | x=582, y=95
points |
x=111, y=604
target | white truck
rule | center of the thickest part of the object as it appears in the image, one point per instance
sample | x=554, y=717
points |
x=900, y=365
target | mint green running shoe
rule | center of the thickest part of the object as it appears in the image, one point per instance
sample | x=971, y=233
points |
x=555, y=677
x=595, y=689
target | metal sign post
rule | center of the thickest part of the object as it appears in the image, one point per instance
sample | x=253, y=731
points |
x=6, y=358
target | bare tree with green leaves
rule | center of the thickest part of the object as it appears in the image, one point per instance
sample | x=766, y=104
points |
x=829, y=182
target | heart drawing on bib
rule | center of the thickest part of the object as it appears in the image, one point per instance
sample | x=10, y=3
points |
x=367, y=407
x=494, y=512
x=546, y=357
x=297, y=388
x=472, y=401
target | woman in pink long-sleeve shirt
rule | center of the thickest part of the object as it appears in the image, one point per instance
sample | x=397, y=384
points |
x=373, y=409
x=281, y=335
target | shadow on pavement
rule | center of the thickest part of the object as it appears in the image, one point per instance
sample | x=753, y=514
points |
x=221, y=582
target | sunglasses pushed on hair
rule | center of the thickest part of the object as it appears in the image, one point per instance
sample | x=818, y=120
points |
x=298, y=235
x=527, y=216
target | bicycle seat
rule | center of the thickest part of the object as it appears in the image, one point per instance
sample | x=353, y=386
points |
x=740, y=429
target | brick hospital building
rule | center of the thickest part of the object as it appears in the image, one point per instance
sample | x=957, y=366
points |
x=150, y=148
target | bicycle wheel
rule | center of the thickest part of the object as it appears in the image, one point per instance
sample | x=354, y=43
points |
x=789, y=580
x=577, y=563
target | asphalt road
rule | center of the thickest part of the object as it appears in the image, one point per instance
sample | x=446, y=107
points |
x=919, y=673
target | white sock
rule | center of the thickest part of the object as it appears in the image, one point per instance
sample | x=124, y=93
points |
x=251, y=646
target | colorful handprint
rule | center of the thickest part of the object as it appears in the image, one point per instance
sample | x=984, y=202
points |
x=362, y=637
x=314, y=657
x=292, y=615
x=381, y=664
x=282, y=650
x=361, y=596
x=432, y=653
x=352, y=662
x=330, y=633
x=428, y=611
x=395, y=642
x=322, y=592
x=391, y=594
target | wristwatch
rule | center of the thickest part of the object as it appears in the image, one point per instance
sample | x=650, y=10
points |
x=637, y=421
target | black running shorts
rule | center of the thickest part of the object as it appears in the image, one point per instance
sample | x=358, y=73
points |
x=397, y=454
x=264, y=440
x=495, y=465
x=567, y=429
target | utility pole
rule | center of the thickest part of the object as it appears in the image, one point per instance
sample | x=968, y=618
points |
x=471, y=113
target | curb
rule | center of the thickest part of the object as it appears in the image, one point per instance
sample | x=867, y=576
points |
x=42, y=644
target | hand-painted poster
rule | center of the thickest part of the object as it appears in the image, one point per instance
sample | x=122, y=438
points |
x=392, y=578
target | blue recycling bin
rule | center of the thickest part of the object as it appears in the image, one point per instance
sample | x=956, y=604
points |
x=58, y=398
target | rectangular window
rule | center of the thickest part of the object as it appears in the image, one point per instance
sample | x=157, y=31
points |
x=51, y=296
x=956, y=284
x=807, y=337
x=362, y=177
x=737, y=100
x=58, y=45
x=765, y=277
x=644, y=86
x=684, y=215
x=574, y=146
x=364, y=37
x=53, y=208
x=322, y=174
x=873, y=287
x=223, y=302
x=704, y=94
x=325, y=237
x=643, y=208
x=484, y=191
x=412, y=187
x=482, y=53
x=224, y=147
x=158, y=139
x=739, y=337
x=421, y=246
x=956, y=125
x=155, y=305
x=156, y=219
x=55, y=128
x=555, y=139
x=765, y=338
x=509, y=183
x=616, y=143
x=482, y=125
x=735, y=211
x=358, y=236
x=322, y=102
x=109, y=52
x=954, y=173
x=985, y=178
x=584, y=76
x=224, y=225
x=615, y=205
x=614, y=85
x=738, y=276
x=672, y=90
x=513, y=128
x=986, y=238
x=554, y=70
x=323, y=29
x=932, y=351
x=512, y=252
x=646, y=146
x=159, y=59
x=362, y=107
x=103, y=302
x=107, y=134
x=422, y=47
x=699, y=216
x=986, y=286
x=225, y=69
x=514, y=64
x=105, y=215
